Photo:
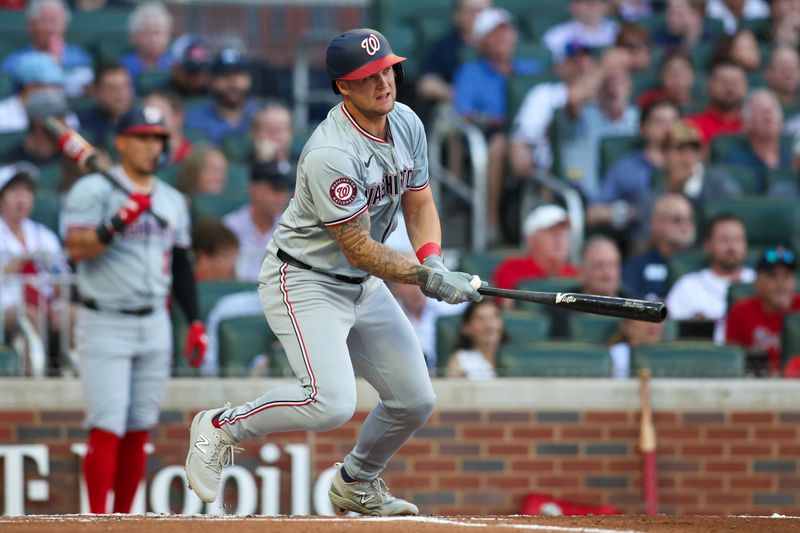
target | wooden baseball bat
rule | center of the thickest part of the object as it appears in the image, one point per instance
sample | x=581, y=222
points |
x=78, y=149
x=647, y=446
x=586, y=303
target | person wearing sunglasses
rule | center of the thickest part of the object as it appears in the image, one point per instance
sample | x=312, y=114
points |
x=756, y=323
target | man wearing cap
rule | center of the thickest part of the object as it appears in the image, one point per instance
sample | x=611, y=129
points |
x=480, y=89
x=189, y=74
x=128, y=261
x=255, y=222
x=230, y=110
x=33, y=71
x=546, y=232
x=322, y=286
x=26, y=247
x=47, y=24
x=756, y=323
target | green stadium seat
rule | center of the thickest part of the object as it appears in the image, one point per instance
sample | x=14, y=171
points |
x=534, y=50
x=194, y=135
x=403, y=37
x=9, y=361
x=722, y=144
x=586, y=327
x=737, y=291
x=216, y=205
x=86, y=28
x=524, y=327
x=6, y=82
x=241, y=339
x=429, y=29
x=745, y=177
x=769, y=221
x=555, y=360
x=237, y=146
x=446, y=336
x=484, y=263
x=49, y=177
x=790, y=337
x=238, y=178
x=782, y=175
x=9, y=140
x=150, y=81
x=684, y=262
x=169, y=173
x=689, y=359
x=46, y=207
x=612, y=148
x=210, y=292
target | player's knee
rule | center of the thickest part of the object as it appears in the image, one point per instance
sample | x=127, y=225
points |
x=335, y=411
x=420, y=411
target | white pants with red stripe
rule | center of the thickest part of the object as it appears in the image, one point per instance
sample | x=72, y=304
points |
x=333, y=331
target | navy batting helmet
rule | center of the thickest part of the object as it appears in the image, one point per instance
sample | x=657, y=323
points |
x=359, y=53
x=146, y=120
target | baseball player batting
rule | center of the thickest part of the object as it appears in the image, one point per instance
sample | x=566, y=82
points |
x=322, y=286
x=126, y=263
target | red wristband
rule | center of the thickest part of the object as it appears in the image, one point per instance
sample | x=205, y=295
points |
x=429, y=248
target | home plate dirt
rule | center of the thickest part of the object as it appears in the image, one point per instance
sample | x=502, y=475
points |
x=422, y=524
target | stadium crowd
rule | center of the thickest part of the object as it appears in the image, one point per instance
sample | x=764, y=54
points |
x=677, y=121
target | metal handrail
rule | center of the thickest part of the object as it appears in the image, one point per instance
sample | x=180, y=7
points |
x=445, y=123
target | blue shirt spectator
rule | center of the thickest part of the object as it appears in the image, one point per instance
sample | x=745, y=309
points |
x=134, y=64
x=206, y=118
x=75, y=61
x=628, y=179
x=150, y=30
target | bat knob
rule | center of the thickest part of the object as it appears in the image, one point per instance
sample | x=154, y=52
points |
x=475, y=282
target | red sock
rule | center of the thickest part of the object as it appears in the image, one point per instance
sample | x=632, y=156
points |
x=99, y=467
x=131, y=463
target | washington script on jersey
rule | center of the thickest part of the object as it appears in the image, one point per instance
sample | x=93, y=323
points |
x=391, y=184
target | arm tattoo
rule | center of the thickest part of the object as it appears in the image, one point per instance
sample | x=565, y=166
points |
x=375, y=258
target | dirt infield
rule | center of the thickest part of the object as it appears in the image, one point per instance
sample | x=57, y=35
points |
x=422, y=524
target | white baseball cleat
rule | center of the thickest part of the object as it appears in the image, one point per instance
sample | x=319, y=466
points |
x=210, y=450
x=367, y=497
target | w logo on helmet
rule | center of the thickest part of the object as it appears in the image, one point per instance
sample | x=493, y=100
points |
x=371, y=44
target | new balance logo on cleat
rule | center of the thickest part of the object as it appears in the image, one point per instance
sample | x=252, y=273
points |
x=202, y=443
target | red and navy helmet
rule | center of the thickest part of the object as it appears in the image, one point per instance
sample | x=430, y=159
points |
x=146, y=120
x=359, y=53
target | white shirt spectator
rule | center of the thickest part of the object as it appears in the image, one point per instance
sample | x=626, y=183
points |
x=620, y=360
x=702, y=293
x=474, y=365
x=252, y=243
x=230, y=306
x=753, y=9
x=557, y=37
x=534, y=117
x=40, y=243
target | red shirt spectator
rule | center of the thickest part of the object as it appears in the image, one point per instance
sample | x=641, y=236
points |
x=756, y=323
x=547, y=248
x=712, y=123
x=727, y=87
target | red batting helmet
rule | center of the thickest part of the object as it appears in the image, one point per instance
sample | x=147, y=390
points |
x=359, y=53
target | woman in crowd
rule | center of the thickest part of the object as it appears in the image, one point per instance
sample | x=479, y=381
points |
x=480, y=337
x=204, y=171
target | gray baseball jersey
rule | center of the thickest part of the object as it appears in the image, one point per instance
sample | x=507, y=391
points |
x=136, y=269
x=343, y=172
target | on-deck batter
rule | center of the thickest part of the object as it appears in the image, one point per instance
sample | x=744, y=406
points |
x=322, y=289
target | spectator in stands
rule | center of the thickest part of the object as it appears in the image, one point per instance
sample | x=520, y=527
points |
x=703, y=295
x=47, y=24
x=204, y=171
x=479, y=340
x=675, y=81
x=601, y=271
x=530, y=144
x=94, y=5
x=444, y=56
x=762, y=151
x=546, y=232
x=685, y=25
x=215, y=250
x=686, y=174
x=733, y=12
x=190, y=72
x=589, y=26
x=423, y=312
x=672, y=229
x=230, y=110
x=33, y=71
x=272, y=133
x=630, y=177
x=785, y=27
x=629, y=335
x=756, y=323
x=113, y=94
x=741, y=48
x=38, y=146
x=612, y=114
x=782, y=75
x=255, y=222
x=636, y=41
x=149, y=30
x=26, y=247
x=480, y=94
x=633, y=10
x=727, y=87
x=172, y=109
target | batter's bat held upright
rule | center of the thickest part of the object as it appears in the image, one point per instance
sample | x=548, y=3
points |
x=77, y=149
x=586, y=303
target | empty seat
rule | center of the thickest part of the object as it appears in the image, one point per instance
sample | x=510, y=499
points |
x=524, y=327
x=586, y=327
x=737, y=291
x=689, y=359
x=9, y=362
x=216, y=205
x=555, y=359
x=241, y=340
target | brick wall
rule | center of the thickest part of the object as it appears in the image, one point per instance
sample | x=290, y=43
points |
x=485, y=461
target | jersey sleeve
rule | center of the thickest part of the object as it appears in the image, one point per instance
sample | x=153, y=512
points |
x=85, y=203
x=335, y=185
x=419, y=177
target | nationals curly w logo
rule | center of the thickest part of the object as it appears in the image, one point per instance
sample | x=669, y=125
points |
x=371, y=44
